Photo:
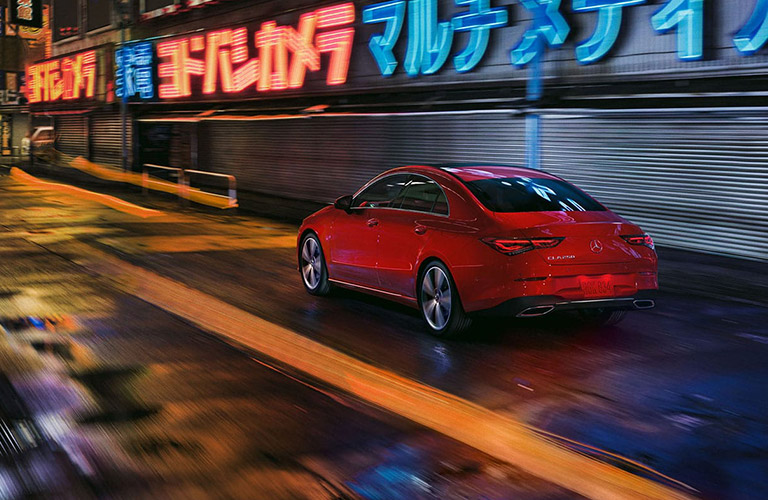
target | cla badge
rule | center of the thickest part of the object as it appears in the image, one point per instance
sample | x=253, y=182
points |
x=596, y=246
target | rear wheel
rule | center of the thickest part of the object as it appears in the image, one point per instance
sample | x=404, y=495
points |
x=439, y=302
x=602, y=317
x=314, y=274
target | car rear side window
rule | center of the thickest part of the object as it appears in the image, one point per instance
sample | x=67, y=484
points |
x=524, y=194
x=382, y=193
x=422, y=195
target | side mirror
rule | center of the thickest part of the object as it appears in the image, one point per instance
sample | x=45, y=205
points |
x=344, y=203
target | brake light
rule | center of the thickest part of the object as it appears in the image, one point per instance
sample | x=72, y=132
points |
x=639, y=240
x=515, y=246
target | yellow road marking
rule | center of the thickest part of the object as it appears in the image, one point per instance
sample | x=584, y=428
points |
x=498, y=435
x=110, y=201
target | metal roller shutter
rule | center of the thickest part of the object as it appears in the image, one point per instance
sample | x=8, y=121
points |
x=320, y=158
x=72, y=133
x=697, y=181
x=106, y=138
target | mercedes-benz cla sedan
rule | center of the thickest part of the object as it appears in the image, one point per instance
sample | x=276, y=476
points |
x=453, y=241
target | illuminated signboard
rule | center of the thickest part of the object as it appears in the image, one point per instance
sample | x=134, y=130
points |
x=27, y=13
x=134, y=73
x=221, y=62
x=450, y=40
x=156, y=8
x=66, y=79
x=429, y=38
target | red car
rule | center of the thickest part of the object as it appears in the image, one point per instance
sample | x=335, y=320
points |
x=452, y=241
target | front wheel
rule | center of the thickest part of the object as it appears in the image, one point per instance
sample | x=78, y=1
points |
x=312, y=266
x=439, y=302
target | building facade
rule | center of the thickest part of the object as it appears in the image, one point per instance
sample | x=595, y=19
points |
x=656, y=108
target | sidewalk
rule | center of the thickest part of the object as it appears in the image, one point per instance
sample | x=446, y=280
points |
x=680, y=271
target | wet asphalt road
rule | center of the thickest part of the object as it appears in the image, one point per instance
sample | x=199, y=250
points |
x=106, y=396
x=682, y=388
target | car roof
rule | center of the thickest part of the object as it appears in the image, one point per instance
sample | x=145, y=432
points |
x=474, y=172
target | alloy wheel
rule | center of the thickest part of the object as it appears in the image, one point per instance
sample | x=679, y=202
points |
x=311, y=263
x=436, y=298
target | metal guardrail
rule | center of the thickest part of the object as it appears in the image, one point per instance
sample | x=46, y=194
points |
x=145, y=176
x=183, y=182
x=231, y=195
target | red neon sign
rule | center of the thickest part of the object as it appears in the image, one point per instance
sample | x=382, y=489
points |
x=285, y=54
x=69, y=78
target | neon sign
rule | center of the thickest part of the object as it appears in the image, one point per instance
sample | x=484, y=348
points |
x=754, y=34
x=430, y=37
x=609, y=13
x=69, y=78
x=549, y=26
x=688, y=17
x=134, y=71
x=284, y=55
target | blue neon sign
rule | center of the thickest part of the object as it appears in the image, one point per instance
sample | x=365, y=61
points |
x=609, y=13
x=430, y=36
x=134, y=71
x=688, y=17
x=478, y=22
x=429, y=40
x=393, y=14
x=754, y=34
x=548, y=26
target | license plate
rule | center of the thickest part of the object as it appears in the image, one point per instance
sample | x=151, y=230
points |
x=597, y=287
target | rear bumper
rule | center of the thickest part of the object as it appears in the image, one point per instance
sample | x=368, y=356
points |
x=540, y=305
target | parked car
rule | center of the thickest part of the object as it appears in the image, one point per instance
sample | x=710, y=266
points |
x=40, y=138
x=457, y=240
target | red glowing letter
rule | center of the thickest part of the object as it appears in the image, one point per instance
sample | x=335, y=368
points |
x=79, y=74
x=305, y=55
x=223, y=49
x=180, y=66
x=273, y=56
x=339, y=42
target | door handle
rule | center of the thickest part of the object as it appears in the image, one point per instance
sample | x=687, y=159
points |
x=373, y=222
x=420, y=229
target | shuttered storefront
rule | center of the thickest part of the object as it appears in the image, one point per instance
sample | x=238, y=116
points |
x=72, y=132
x=106, y=137
x=695, y=181
x=320, y=158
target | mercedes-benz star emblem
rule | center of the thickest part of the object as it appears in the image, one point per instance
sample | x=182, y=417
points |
x=596, y=246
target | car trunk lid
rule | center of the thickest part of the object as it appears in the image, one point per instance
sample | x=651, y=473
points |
x=588, y=237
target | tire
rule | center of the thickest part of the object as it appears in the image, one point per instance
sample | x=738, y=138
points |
x=602, y=317
x=437, y=297
x=314, y=272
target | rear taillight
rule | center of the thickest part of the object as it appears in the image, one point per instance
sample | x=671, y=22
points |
x=639, y=239
x=514, y=246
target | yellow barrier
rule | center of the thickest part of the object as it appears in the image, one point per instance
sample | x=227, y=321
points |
x=110, y=201
x=117, y=175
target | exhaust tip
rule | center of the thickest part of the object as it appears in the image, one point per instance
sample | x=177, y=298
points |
x=535, y=311
x=644, y=304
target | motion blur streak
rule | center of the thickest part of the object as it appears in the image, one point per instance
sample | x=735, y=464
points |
x=493, y=433
x=113, y=174
x=110, y=201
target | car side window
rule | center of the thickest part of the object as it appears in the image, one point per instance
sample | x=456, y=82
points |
x=423, y=195
x=382, y=193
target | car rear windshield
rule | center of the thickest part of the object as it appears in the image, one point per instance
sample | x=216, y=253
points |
x=523, y=194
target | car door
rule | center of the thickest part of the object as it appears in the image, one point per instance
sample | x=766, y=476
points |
x=355, y=234
x=406, y=230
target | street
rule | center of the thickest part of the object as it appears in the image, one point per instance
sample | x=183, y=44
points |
x=676, y=394
x=127, y=401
